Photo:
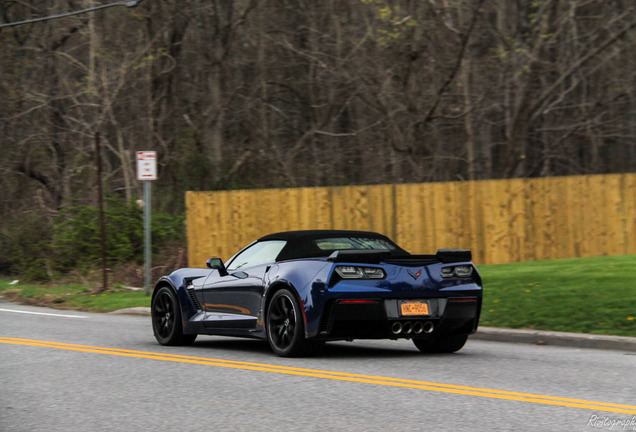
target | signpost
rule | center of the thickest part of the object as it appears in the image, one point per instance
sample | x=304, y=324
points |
x=146, y=172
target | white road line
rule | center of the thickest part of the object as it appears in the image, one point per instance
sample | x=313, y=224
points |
x=42, y=313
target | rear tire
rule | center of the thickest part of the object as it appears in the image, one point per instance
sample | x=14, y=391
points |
x=285, y=325
x=166, y=319
x=445, y=344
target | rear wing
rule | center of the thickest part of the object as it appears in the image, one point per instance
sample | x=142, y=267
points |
x=374, y=256
x=454, y=255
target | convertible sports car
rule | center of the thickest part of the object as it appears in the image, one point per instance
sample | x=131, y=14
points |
x=299, y=289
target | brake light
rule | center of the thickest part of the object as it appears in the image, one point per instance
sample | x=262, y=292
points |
x=357, y=301
x=462, y=299
x=461, y=271
x=356, y=272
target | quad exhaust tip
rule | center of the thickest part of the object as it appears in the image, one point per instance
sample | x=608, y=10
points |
x=396, y=328
x=407, y=328
x=416, y=328
x=428, y=327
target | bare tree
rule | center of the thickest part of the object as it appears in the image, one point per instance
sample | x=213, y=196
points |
x=278, y=93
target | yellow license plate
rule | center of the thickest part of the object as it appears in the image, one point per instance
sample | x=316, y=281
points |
x=414, y=308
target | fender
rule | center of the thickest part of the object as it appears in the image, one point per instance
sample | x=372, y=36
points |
x=177, y=281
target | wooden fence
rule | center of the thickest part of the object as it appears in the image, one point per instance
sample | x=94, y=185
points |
x=500, y=220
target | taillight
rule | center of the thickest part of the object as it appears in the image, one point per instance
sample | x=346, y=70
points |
x=461, y=271
x=357, y=272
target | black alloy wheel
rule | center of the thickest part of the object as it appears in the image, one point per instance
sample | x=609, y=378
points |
x=166, y=319
x=285, y=325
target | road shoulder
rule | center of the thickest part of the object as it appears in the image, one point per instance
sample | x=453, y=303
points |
x=536, y=337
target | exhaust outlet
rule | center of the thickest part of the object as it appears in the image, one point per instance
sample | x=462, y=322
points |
x=418, y=327
x=396, y=328
x=407, y=327
x=428, y=327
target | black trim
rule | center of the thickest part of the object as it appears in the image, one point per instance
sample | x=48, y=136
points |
x=316, y=234
x=360, y=256
x=417, y=260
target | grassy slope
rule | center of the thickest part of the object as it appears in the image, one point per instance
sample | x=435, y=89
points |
x=586, y=295
x=72, y=296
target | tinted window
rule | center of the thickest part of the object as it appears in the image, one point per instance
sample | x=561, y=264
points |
x=259, y=253
x=353, y=243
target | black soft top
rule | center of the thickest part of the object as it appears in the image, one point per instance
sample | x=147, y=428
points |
x=300, y=244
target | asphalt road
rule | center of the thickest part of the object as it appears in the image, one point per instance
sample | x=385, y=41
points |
x=73, y=371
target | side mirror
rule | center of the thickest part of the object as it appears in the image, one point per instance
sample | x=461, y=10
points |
x=217, y=264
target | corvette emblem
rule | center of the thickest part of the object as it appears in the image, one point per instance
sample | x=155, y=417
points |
x=416, y=275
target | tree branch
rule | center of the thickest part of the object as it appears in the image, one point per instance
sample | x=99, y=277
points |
x=458, y=63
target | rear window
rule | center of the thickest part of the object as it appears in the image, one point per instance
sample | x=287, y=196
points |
x=353, y=243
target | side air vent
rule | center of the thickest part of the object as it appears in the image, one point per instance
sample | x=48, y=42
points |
x=327, y=314
x=193, y=298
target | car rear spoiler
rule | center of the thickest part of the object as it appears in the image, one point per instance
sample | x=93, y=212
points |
x=377, y=256
x=454, y=255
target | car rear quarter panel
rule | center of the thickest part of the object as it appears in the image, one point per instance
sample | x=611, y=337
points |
x=308, y=278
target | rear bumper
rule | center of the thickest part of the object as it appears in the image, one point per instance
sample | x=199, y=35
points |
x=381, y=319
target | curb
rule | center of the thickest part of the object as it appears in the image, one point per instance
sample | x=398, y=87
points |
x=493, y=334
x=576, y=340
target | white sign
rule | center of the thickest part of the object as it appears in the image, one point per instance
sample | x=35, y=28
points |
x=146, y=165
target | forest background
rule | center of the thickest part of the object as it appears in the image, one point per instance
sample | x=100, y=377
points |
x=236, y=94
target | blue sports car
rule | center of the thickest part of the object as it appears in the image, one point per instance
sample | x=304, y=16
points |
x=299, y=289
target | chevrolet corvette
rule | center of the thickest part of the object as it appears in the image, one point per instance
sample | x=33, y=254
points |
x=299, y=289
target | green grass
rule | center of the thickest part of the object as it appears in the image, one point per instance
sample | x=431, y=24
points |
x=72, y=296
x=583, y=295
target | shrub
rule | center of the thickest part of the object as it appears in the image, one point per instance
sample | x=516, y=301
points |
x=76, y=240
x=25, y=246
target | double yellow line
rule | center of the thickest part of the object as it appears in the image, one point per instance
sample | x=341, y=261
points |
x=340, y=376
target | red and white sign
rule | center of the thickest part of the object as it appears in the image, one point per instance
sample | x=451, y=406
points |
x=146, y=165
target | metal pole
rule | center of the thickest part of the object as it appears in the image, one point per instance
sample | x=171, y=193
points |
x=147, y=204
x=100, y=199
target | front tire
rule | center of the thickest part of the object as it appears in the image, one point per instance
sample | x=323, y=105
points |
x=442, y=345
x=285, y=325
x=166, y=319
